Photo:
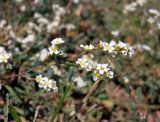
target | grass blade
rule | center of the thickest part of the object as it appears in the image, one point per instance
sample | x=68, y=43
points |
x=6, y=108
x=14, y=113
x=60, y=103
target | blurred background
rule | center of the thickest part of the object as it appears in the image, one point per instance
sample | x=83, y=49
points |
x=28, y=26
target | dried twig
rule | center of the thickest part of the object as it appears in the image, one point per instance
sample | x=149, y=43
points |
x=36, y=113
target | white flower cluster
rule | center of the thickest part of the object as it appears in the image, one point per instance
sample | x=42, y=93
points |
x=46, y=83
x=24, y=40
x=97, y=68
x=133, y=5
x=115, y=48
x=100, y=69
x=87, y=47
x=154, y=17
x=4, y=56
x=53, y=49
x=58, y=12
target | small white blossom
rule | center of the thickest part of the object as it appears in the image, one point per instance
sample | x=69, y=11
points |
x=87, y=47
x=56, y=70
x=57, y=41
x=107, y=46
x=43, y=54
x=23, y=8
x=39, y=78
x=30, y=38
x=102, y=69
x=76, y=1
x=79, y=81
x=126, y=80
x=141, y=2
x=115, y=33
x=86, y=62
x=46, y=83
x=53, y=50
x=151, y=20
x=154, y=12
x=4, y=56
x=2, y=23
x=130, y=7
x=82, y=62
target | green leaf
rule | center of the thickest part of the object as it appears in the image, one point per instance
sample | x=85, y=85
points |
x=14, y=113
x=13, y=93
x=139, y=94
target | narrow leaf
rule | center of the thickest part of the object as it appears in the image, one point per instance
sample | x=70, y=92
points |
x=139, y=94
x=13, y=93
x=14, y=113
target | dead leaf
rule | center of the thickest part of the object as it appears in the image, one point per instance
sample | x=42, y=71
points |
x=79, y=10
x=108, y=104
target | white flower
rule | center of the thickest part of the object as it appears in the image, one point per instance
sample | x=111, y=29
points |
x=2, y=23
x=102, y=68
x=126, y=80
x=79, y=81
x=51, y=27
x=46, y=83
x=82, y=62
x=53, y=50
x=141, y=2
x=130, y=7
x=57, y=41
x=151, y=20
x=38, y=1
x=43, y=21
x=30, y=38
x=56, y=70
x=87, y=47
x=23, y=8
x=43, y=54
x=4, y=56
x=107, y=46
x=76, y=1
x=110, y=74
x=122, y=47
x=39, y=78
x=37, y=15
x=154, y=12
x=115, y=33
